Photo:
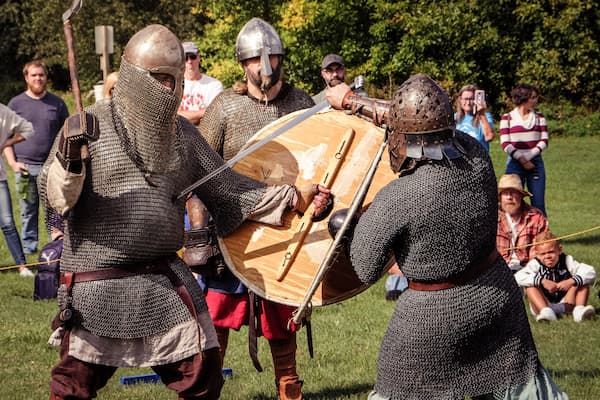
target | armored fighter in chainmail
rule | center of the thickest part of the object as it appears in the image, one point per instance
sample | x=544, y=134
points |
x=461, y=328
x=126, y=299
x=229, y=122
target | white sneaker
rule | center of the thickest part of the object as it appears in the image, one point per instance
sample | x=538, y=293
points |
x=25, y=272
x=546, y=314
x=583, y=312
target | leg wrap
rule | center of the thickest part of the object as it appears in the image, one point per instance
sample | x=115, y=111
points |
x=223, y=338
x=284, y=362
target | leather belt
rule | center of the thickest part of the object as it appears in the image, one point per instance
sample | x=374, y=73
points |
x=160, y=266
x=473, y=271
x=200, y=236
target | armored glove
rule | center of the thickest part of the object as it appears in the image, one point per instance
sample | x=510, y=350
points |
x=78, y=131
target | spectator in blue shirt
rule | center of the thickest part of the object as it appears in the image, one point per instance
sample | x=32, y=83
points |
x=47, y=113
x=473, y=118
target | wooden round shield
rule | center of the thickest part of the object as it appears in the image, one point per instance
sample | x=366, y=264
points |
x=331, y=148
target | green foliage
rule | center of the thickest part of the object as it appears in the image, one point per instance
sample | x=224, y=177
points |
x=494, y=44
x=11, y=20
x=561, y=55
x=566, y=119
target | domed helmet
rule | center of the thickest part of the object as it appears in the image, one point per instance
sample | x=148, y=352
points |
x=157, y=50
x=258, y=39
x=147, y=109
x=421, y=123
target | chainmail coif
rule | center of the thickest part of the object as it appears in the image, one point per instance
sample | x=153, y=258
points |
x=121, y=219
x=471, y=339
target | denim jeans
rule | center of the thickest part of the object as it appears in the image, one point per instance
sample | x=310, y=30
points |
x=534, y=179
x=7, y=222
x=29, y=209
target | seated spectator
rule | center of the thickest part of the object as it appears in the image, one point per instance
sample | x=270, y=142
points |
x=518, y=222
x=473, y=118
x=555, y=283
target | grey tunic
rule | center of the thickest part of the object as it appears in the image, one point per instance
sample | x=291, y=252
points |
x=471, y=339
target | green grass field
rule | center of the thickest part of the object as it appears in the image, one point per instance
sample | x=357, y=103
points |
x=346, y=335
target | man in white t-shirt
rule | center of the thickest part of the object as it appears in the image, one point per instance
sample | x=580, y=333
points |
x=199, y=89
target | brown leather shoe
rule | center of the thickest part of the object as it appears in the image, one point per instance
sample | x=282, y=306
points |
x=290, y=389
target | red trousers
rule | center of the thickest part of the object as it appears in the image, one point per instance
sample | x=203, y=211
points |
x=231, y=311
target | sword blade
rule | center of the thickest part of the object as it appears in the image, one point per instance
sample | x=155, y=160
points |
x=289, y=125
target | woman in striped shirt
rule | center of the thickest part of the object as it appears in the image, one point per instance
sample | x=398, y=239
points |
x=523, y=136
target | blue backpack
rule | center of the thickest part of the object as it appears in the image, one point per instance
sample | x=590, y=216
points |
x=48, y=272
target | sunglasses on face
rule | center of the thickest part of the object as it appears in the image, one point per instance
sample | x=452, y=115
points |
x=190, y=56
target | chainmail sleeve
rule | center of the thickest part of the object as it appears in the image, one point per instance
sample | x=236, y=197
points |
x=214, y=122
x=229, y=197
x=227, y=125
x=371, y=246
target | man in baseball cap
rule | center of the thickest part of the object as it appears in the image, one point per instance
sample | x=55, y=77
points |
x=333, y=71
x=190, y=48
x=199, y=89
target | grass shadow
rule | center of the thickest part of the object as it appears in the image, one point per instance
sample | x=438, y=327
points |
x=329, y=393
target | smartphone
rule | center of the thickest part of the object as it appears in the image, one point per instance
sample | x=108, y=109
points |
x=479, y=100
x=479, y=96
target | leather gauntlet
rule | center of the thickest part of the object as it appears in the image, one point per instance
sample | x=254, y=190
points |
x=78, y=130
x=373, y=110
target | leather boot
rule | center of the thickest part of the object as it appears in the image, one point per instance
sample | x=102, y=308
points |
x=289, y=386
x=223, y=338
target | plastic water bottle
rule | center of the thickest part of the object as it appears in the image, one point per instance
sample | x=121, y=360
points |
x=23, y=185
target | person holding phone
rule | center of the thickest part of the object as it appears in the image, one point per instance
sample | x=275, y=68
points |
x=523, y=136
x=472, y=116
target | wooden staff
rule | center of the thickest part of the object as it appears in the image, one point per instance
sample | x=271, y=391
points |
x=68, y=29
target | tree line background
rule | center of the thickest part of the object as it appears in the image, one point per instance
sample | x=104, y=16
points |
x=494, y=44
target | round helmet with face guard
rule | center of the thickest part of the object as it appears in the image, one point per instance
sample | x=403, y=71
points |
x=421, y=122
